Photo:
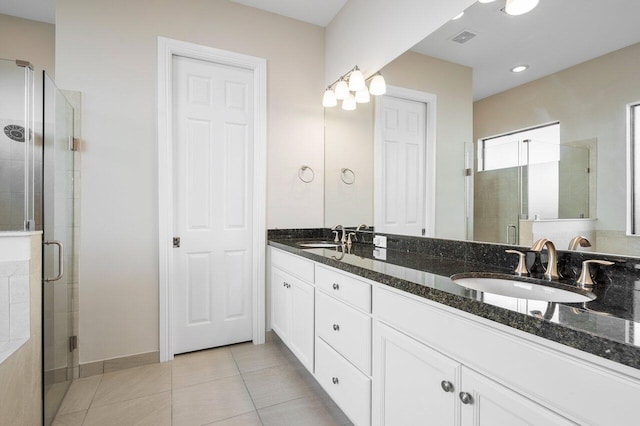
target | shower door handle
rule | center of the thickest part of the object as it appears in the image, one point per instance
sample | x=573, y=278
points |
x=60, y=260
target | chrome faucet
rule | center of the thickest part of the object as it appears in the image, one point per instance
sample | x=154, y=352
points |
x=336, y=230
x=551, y=273
x=579, y=241
x=361, y=226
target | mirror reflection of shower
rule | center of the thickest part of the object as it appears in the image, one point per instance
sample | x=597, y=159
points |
x=528, y=179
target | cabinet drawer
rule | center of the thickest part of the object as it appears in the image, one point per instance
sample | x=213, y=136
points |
x=346, y=330
x=344, y=287
x=294, y=265
x=348, y=387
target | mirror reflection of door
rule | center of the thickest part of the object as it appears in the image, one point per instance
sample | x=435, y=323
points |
x=401, y=192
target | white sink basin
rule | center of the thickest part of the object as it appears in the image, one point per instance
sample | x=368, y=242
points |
x=523, y=289
x=318, y=244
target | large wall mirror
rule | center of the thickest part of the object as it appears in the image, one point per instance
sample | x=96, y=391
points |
x=502, y=156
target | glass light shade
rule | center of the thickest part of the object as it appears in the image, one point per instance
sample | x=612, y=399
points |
x=342, y=90
x=349, y=103
x=458, y=16
x=520, y=7
x=356, y=80
x=486, y=1
x=378, y=85
x=329, y=99
x=362, y=96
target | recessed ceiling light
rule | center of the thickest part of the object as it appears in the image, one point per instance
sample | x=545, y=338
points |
x=458, y=16
x=520, y=68
x=520, y=7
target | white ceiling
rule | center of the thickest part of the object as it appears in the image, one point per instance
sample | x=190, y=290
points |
x=36, y=10
x=318, y=12
x=554, y=36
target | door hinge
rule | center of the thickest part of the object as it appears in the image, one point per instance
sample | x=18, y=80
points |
x=424, y=232
x=467, y=172
x=73, y=343
x=176, y=242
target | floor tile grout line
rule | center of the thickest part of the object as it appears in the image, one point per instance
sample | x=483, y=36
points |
x=247, y=388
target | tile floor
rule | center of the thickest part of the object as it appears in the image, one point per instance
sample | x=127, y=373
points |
x=242, y=384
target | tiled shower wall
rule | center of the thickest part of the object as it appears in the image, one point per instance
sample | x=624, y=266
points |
x=12, y=183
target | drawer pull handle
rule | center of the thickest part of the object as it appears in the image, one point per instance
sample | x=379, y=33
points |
x=336, y=327
x=336, y=286
x=335, y=380
x=466, y=398
x=447, y=386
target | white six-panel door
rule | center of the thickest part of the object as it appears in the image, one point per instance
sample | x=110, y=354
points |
x=400, y=208
x=213, y=162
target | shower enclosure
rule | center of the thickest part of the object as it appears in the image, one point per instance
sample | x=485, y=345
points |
x=37, y=194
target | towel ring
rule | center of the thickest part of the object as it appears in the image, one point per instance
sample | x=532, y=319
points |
x=302, y=170
x=344, y=176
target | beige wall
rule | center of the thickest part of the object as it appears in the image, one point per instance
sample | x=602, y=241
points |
x=28, y=40
x=372, y=33
x=107, y=51
x=348, y=143
x=21, y=373
x=451, y=83
x=590, y=101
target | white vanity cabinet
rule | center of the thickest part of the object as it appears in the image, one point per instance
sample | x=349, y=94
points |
x=414, y=382
x=292, y=304
x=388, y=357
x=343, y=341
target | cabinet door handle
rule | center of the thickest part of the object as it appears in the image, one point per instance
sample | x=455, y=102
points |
x=466, y=398
x=336, y=286
x=336, y=327
x=446, y=385
x=335, y=380
x=284, y=284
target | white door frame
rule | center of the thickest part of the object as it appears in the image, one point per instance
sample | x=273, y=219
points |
x=430, y=154
x=167, y=49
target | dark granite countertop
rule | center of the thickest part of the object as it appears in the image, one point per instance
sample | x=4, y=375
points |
x=600, y=327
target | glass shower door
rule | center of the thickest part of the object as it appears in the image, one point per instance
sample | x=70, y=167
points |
x=58, y=251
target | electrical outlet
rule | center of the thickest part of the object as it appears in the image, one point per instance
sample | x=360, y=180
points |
x=380, y=241
x=380, y=253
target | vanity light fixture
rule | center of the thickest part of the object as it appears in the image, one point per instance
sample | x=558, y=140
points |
x=349, y=103
x=362, y=96
x=520, y=7
x=378, y=86
x=356, y=80
x=351, y=88
x=342, y=89
x=458, y=16
x=486, y=1
x=329, y=98
x=520, y=68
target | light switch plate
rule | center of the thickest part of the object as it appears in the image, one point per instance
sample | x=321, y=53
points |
x=380, y=241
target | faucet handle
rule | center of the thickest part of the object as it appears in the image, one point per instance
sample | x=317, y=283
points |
x=336, y=239
x=521, y=269
x=585, y=280
x=349, y=238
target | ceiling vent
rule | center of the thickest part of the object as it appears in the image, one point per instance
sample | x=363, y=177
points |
x=463, y=37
